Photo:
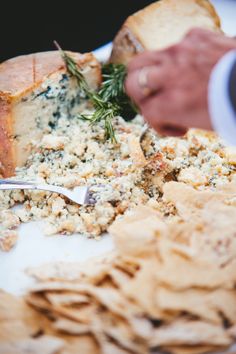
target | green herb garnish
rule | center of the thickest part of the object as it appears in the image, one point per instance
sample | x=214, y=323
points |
x=113, y=81
x=110, y=101
x=112, y=89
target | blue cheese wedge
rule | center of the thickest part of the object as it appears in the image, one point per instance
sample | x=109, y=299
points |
x=35, y=91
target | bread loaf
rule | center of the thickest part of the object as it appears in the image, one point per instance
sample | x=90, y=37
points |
x=160, y=25
x=35, y=91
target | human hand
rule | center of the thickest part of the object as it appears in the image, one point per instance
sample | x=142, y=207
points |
x=170, y=86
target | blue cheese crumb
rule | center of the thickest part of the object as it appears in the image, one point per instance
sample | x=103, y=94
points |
x=124, y=175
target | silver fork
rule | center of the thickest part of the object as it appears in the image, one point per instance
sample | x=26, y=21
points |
x=80, y=195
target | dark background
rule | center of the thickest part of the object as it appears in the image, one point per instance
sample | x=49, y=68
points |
x=31, y=26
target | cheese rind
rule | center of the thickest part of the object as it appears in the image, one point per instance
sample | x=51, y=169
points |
x=35, y=91
x=160, y=25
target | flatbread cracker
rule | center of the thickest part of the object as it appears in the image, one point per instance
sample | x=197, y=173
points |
x=202, y=349
x=66, y=298
x=70, y=327
x=136, y=234
x=136, y=152
x=17, y=319
x=210, y=306
x=44, y=344
x=190, y=333
x=169, y=285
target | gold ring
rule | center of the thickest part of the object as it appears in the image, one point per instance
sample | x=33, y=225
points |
x=143, y=81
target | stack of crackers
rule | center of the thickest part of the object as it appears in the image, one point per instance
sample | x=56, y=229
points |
x=169, y=286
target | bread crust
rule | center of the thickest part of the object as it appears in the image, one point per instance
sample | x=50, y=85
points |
x=6, y=149
x=21, y=75
x=212, y=12
x=128, y=43
x=125, y=46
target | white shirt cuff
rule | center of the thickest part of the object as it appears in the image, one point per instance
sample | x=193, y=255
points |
x=221, y=111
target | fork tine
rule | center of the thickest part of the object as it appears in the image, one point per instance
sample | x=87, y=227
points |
x=90, y=198
x=79, y=195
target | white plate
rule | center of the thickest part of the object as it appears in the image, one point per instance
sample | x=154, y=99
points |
x=33, y=248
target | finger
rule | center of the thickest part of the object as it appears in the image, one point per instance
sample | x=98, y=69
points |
x=152, y=110
x=148, y=58
x=165, y=113
x=208, y=38
x=142, y=83
x=199, y=33
x=161, y=123
x=170, y=129
x=160, y=114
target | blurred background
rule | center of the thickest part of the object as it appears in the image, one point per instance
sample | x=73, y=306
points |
x=81, y=25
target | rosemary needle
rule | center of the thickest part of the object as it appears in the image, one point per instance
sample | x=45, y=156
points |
x=110, y=101
x=74, y=70
x=113, y=81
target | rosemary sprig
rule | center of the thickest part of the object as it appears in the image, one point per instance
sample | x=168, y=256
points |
x=113, y=81
x=113, y=90
x=74, y=70
x=111, y=99
x=104, y=111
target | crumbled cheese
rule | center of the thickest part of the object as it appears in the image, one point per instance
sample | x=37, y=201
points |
x=192, y=176
x=122, y=175
x=8, y=235
x=8, y=239
x=51, y=142
x=9, y=220
x=230, y=153
x=58, y=204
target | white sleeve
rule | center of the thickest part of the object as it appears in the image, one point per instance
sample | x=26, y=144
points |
x=222, y=113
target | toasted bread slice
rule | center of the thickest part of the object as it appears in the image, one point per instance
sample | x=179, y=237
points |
x=35, y=91
x=160, y=25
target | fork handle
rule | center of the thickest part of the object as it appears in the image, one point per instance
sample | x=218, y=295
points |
x=11, y=186
x=11, y=181
x=26, y=185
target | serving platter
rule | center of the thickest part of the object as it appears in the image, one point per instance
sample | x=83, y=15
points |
x=34, y=248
